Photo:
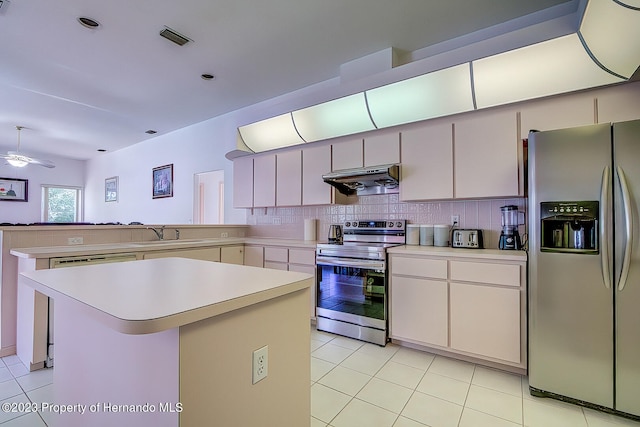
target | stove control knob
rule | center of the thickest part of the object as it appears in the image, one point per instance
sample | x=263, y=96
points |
x=398, y=224
x=390, y=224
x=347, y=224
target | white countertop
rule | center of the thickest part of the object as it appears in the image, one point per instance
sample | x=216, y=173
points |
x=459, y=252
x=153, y=245
x=140, y=297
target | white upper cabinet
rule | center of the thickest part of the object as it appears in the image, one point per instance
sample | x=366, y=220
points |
x=487, y=155
x=243, y=182
x=427, y=163
x=347, y=155
x=382, y=148
x=557, y=113
x=264, y=180
x=316, y=161
x=289, y=178
x=619, y=103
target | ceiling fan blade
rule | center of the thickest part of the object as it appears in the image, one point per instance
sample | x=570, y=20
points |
x=39, y=162
x=12, y=155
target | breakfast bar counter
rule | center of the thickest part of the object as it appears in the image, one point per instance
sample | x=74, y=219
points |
x=168, y=342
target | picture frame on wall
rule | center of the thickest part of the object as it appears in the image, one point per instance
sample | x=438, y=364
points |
x=163, y=181
x=14, y=190
x=111, y=189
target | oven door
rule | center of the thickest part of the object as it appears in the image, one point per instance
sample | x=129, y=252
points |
x=352, y=290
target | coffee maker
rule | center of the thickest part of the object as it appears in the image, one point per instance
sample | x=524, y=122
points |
x=510, y=237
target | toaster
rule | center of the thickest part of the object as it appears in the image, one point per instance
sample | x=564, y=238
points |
x=470, y=238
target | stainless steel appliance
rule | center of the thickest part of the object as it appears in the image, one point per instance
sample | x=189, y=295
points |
x=335, y=234
x=368, y=180
x=509, y=236
x=472, y=239
x=352, y=297
x=584, y=270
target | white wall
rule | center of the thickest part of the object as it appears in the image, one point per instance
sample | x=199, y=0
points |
x=194, y=149
x=67, y=172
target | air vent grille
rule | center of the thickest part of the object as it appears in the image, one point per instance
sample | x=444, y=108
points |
x=174, y=36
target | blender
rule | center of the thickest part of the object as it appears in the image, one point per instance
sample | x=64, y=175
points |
x=510, y=237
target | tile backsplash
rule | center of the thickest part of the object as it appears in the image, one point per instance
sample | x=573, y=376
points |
x=288, y=222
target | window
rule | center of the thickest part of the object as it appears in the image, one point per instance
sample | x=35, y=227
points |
x=61, y=204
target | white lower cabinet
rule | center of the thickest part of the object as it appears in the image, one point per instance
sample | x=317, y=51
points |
x=419, y=310
x=471, y=307
x=232, y=255
x=485, y=320
x=301, y=260
x=254, y=256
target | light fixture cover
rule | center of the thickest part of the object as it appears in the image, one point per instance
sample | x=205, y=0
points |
x=612, y=34
x=270, y=134
x=17, y=162
x=343, y=116
x=555, y=66
x=436, y=94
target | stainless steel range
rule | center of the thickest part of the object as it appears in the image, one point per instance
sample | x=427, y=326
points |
x=352, y=297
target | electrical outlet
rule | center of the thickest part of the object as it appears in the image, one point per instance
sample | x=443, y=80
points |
x=277, y=221
x=224, y=234
x=260, y=364
x=455, y=220
x=75, y=240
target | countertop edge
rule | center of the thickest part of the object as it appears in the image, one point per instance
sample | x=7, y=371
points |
x=448, y=252
x=141, y=327
x=149, y=246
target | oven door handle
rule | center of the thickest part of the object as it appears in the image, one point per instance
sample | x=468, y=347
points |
x=348, y=262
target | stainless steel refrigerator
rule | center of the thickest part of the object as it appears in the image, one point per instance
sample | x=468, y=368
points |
x=584, y=269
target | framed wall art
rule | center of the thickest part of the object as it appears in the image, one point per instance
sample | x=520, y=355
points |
x=111, y=189
x=163, y=181
x=14, y=190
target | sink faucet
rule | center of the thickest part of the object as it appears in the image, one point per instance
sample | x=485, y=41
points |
x=159, y=233
x=177, y=234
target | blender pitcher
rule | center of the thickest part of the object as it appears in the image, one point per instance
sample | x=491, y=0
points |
x=509, y=236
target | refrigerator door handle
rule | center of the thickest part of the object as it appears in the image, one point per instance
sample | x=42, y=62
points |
x=604, y=221
x=628, y=228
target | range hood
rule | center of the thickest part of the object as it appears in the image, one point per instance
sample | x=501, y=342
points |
x=364, y=181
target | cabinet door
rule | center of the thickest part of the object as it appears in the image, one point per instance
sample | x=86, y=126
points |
x=204, y=254
x=276, y=265
x=289, y=178
x=486, y=155
x=316, y=161
x=485, y=320
x=232, y=255
x=419, y=310
x=243, y=182
x=254, y=256
x=264, y=181
x=427, y=163
x=347, y=155
x=382, y=149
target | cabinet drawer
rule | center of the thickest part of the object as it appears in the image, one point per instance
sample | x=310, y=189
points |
x=276, y=254
x=482, y=272
x=275, y=265
x=302, y=256
x=421, y=267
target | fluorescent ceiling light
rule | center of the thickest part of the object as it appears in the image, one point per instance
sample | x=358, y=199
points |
x=548, y=68
x=270, y=134
x=343, y=116
x=611, y=31
x=436, y=94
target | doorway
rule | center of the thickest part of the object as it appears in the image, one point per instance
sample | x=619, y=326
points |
x=208, y=197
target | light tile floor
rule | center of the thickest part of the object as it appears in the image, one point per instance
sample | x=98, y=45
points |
x=354, y=384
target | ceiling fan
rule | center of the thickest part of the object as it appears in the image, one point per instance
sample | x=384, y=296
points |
x=15, y=158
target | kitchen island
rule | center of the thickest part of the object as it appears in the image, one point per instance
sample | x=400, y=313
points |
x=168, y=342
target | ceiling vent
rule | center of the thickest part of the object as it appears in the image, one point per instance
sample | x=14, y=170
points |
x=174, y=36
